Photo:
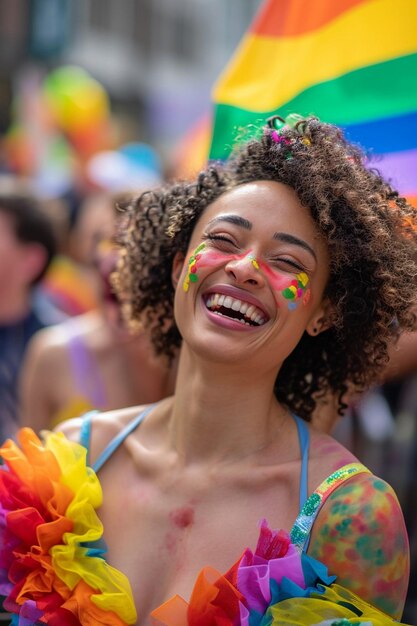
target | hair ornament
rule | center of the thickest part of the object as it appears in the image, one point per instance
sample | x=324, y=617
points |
x=279, y=139
x=277, y=124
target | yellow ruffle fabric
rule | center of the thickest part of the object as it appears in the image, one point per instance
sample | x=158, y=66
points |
x=49, y=488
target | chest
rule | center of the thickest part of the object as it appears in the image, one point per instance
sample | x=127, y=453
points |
x=161, y=533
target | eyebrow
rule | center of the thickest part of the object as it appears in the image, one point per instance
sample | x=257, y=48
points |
x=232, y=219
x=287, y=238
x=247, y=225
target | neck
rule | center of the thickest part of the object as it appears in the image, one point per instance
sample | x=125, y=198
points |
x=14, y=307
x=221, y=413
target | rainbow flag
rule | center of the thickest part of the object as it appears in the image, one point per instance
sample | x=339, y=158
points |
x=350, y=62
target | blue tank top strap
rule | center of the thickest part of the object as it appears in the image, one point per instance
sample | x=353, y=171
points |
x=85, y=432
x=120, y=437
x=304, y=439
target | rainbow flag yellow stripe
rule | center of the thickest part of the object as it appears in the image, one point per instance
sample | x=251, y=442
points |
x=350, y=62
x=293, y=64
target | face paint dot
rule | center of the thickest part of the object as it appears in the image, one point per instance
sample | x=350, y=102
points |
x=299, y=293
x=307, y=297
x=292, y=306
x=294, y=283
x=254, y=262
x=287, y=293
x=197, y=256
x=303, y=278
x=193, y=278
x=193, y=269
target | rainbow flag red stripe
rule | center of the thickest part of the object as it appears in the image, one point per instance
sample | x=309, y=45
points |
x=351, y=62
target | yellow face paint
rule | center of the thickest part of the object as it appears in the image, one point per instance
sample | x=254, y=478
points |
x=253, y=260
x=192, y=267
x=297, y=290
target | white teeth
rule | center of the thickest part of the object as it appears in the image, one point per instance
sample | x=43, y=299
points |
x=251, y=312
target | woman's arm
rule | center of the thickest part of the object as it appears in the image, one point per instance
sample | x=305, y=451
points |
x=360, y=535
x=38, y=378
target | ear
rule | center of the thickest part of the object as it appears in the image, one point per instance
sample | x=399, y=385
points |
x=322, y=319
x=177, y=267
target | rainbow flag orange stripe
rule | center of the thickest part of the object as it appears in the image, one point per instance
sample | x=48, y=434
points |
x=351, y=62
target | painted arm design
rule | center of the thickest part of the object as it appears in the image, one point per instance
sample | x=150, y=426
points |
x=360, y=535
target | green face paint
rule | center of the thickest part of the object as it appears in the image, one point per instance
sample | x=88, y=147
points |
x=192, y=267
x=296, y=290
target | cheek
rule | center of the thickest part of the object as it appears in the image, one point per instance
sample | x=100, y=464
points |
x=201, y=258
x=292, y=289
x=279, y=282
x=212, y=258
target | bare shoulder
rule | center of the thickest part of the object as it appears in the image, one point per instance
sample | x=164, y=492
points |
x=48, y=349
x=326, y=456
x=361, y=536
x=50, y=345
x=44, y=366
x=46, y=345
x=104, y=427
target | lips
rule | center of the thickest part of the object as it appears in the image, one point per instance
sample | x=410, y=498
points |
x=235, y=304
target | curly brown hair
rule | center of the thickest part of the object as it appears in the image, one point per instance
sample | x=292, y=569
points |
x=370, y=233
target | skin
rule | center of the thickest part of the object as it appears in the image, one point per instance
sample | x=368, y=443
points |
x=207, y=464
x=125, y=366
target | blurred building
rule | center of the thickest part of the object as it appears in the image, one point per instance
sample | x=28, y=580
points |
x=160, y=55
x=158, y=59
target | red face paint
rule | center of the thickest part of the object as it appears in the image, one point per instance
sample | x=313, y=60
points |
x=211, y=258
x=278, y=281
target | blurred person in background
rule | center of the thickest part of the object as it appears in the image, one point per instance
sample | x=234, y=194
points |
x=27, y=246
x=70, y=284
x=92, y=361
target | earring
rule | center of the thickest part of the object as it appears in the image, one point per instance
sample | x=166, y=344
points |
x=315, y=330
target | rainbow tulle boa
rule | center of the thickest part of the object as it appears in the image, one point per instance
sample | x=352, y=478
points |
x=275, y=586
x=52, y=566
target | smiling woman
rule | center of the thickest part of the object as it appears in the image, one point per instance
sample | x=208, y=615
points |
x=281, y=275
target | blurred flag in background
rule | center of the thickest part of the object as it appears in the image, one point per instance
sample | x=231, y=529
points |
x=349, y=62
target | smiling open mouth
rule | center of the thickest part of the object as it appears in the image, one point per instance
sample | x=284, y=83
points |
x=238, y=310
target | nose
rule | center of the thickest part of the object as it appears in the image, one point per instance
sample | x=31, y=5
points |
x=245, y=270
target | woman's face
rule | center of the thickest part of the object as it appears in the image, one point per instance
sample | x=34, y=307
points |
x=253, y=278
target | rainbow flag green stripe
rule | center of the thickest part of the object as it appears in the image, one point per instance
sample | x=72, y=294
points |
x=345, y=100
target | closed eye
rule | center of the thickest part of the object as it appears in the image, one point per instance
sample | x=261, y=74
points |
x=220, y=238
x=288, y=262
